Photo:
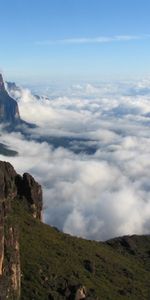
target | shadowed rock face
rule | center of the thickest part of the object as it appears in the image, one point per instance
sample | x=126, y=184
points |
x=9, y=111
x=31, y=191
x=12, y=187
x=23, y=187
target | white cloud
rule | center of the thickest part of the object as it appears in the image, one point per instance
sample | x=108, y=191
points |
x=96, y=196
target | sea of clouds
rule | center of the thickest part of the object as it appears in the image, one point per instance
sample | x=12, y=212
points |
x=101, y=195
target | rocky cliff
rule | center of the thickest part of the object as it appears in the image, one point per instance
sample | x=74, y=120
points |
x=25, y=189
x=9, y=111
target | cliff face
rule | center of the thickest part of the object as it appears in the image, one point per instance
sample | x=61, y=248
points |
x=9, y=111
x=31, y=191
x=12, y=187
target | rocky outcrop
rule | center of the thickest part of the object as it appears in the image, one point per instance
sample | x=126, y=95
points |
x=31, y=191
x=12, y=187
x=9, y=111
x=80, y=293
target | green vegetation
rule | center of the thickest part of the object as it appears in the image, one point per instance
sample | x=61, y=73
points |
x=54, y=263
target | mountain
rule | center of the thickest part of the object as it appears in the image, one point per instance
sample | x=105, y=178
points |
x=75, y=144
x=38, y=262
x=9, y=111
x=16, y=92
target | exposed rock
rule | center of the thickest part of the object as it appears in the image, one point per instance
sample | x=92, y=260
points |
x=1, y=239
x=25, y=188
x=13, y=268
x=126, y=243
x=9, y=237
x=9, y=111
x=81, y=293
x=7, y=180
x=30, y=190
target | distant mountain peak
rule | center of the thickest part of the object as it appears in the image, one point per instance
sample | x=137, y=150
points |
x=2, y=86
x=9, y=111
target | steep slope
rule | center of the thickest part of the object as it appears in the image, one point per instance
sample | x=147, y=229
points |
x=9, y=111
x=54, y=265
x=48, y=264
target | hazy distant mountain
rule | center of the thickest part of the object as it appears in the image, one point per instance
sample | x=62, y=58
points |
x=9, y=111
x=75, y=144
x=16, y=92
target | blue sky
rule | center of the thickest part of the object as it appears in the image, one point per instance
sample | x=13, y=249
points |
x=44, y=40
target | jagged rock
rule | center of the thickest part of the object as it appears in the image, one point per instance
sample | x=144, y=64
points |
x=29, y=189
x=7, y=180
x=12, y=184
x=81, y=293
x=24, y=188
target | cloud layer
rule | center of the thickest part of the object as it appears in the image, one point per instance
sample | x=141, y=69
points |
x=95, y=196
x=95, y=40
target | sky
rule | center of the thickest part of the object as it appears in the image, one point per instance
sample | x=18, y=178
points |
x=74, y=39
x=103, y=48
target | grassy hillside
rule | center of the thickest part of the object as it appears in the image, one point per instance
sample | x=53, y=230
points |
x=54, y=264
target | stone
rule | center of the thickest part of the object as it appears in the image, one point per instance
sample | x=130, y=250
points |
x=12, y=187
x=81, y=293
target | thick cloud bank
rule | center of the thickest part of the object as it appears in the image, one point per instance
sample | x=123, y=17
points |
x=96, y=196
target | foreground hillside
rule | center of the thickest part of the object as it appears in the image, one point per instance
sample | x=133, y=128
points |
x=54, y=264
x=39, y=262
